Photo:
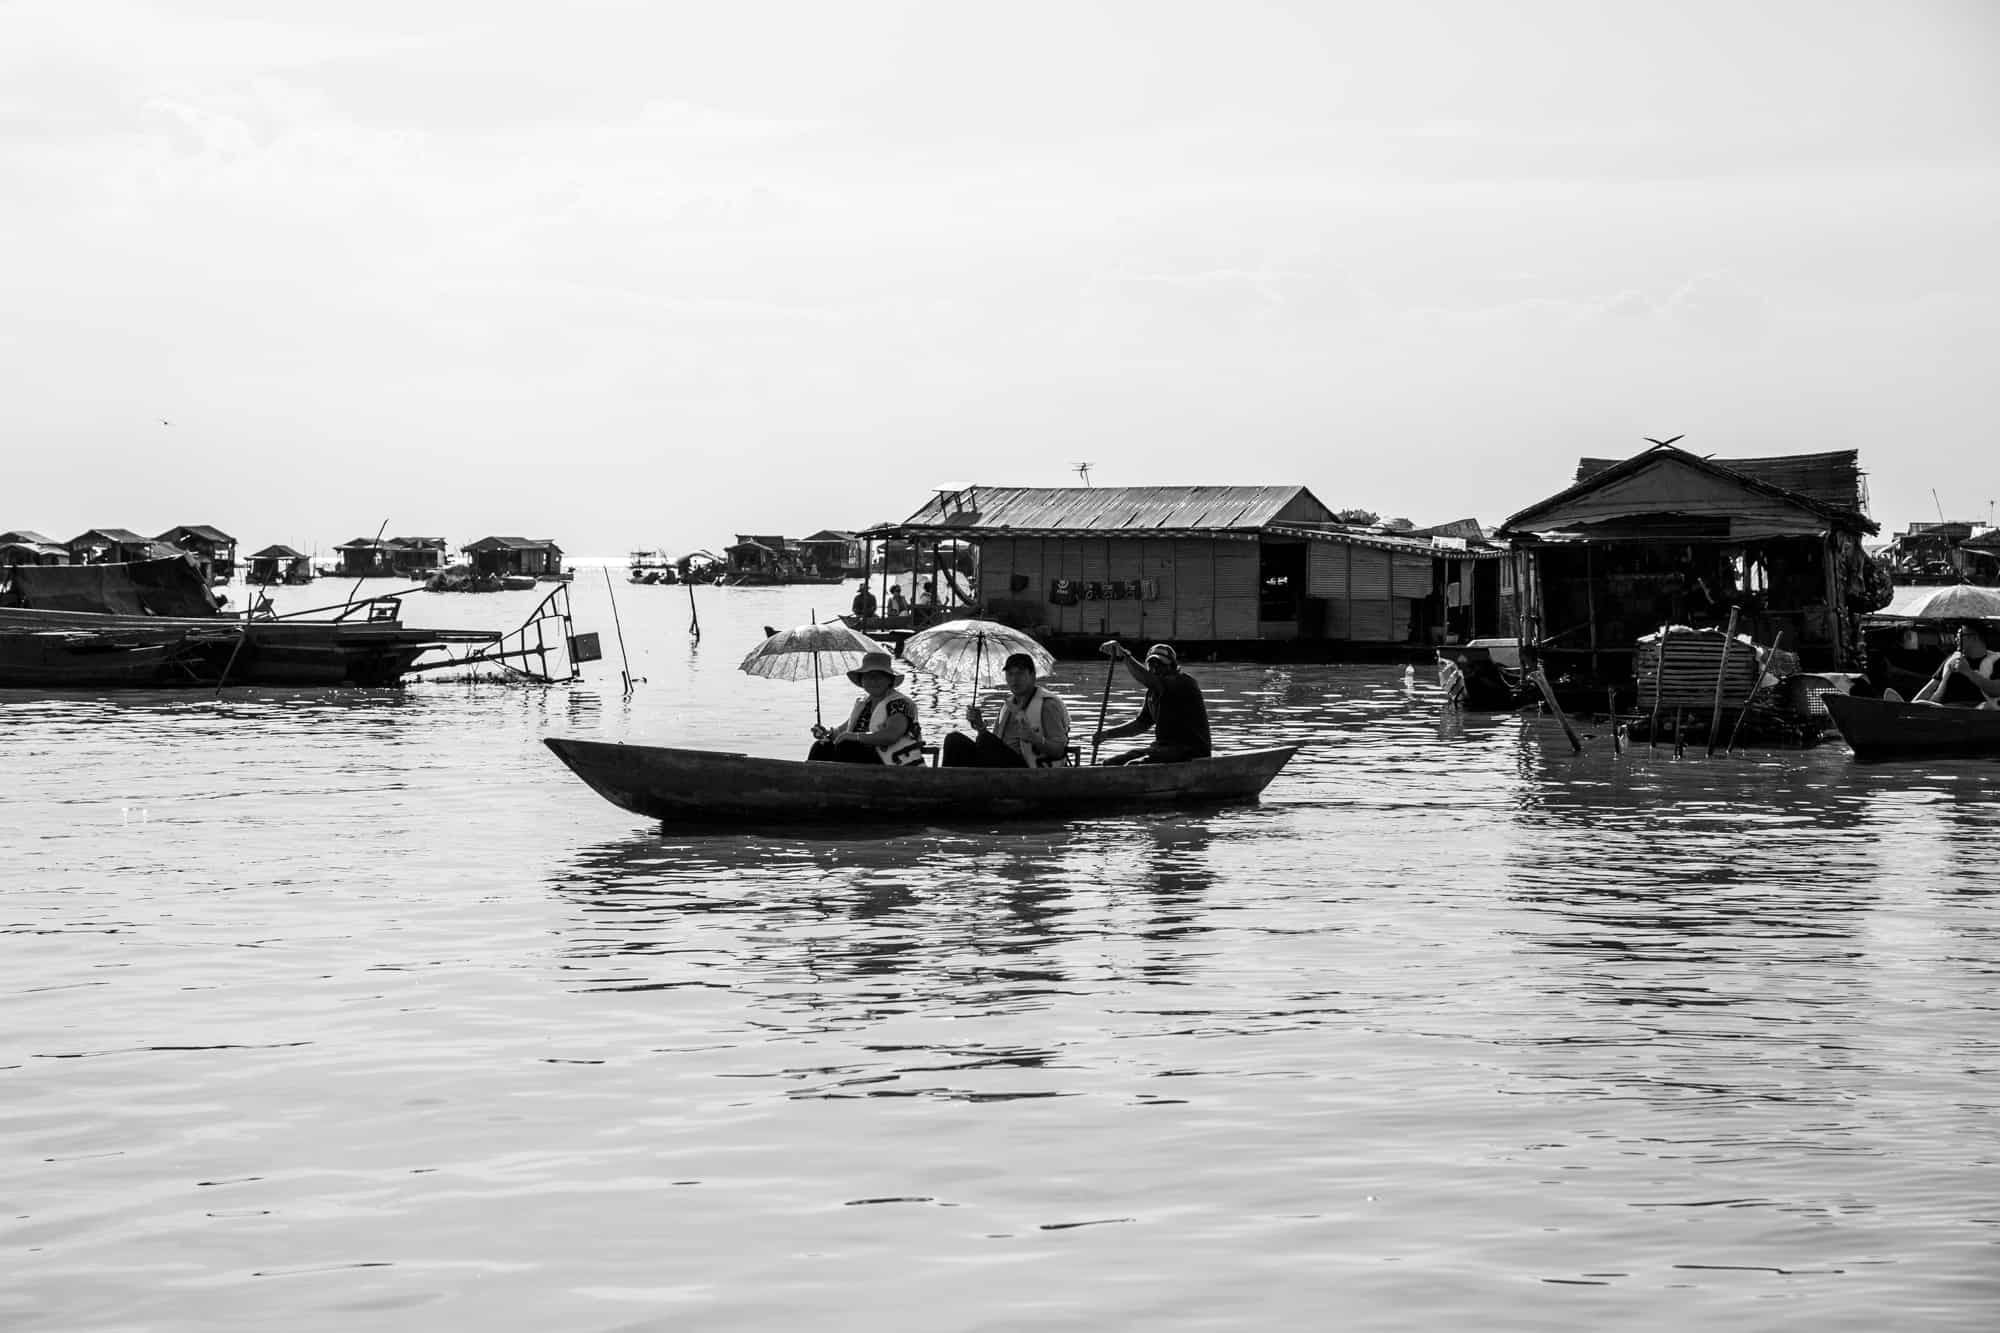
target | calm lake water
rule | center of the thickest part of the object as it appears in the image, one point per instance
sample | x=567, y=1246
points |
x=342, y=1009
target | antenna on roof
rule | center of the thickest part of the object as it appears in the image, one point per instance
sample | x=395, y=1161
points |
x=1650, y=440
x=1083, y=470
x=1940, y=507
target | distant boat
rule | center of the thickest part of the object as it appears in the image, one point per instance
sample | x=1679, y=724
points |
x=707, y=787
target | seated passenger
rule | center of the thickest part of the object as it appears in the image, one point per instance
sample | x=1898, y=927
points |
x=1174, y=711
x=1966, y=678
x=883, y=727
x=1034, y=726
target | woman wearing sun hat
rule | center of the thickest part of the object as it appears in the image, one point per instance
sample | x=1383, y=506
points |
x=882, y=728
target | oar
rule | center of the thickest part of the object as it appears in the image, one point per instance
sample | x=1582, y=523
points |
x=817, y=720
x=1103, y=706
x=1721, y=680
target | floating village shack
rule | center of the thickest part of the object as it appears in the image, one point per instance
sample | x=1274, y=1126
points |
x=1240, y=571
x=1943, y=552
x=113, y=546
x=279, y=564
x=1669, y=538
x=518, y=557
x=24, y=547
x=214, y=550
x=835, y=552
x=391, y=558
x=756, y=558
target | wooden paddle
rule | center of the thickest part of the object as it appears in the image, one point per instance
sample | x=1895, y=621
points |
x=1104, y=704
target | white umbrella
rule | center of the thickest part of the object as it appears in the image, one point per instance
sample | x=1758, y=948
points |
x=972, y=650
x=812, y=652
x=1956, y=601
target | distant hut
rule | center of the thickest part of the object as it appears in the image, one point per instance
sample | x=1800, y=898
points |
x=516, y=557
x=1667, y=537
x=1244, y=571
x=756, y=558
x=834, y=552
x=110, y=546
x=393, y=557
x=1934, y=553
x=213, y=549
x=24, y=547
x=279, y=564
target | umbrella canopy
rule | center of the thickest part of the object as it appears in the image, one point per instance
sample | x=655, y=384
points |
x=810, y=652
x=972, y=650
x=1956, y=601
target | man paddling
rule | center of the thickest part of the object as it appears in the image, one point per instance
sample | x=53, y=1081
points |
x=1174, y=710
x=1966, y=678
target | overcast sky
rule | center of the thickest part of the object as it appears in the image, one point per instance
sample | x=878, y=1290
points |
x=650, y=274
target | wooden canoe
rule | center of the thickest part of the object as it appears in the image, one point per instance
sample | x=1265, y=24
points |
x=1888, y=729
x=707, y=787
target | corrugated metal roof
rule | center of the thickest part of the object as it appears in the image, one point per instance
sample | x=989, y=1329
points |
x=122, y=536
x=1106, y=509
x=1831, y=478
x=276, y=553
x=511, y=544
x=1453, y=549
x=26, y=535
x=201, y=530
x=1838, y=514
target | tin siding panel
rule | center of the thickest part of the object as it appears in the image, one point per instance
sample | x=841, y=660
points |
x=1236, y=590
x=1370, y=622
x=1124, y=615
x=1326, y=570
x=1194, y=590
x=1410, y=575
x=1369, y=579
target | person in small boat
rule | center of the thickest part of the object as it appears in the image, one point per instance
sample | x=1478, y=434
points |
x=1174, y=710
x=864, y=604
x=899, y=605
x=1033, y=731
x=927, y=595
x=1967, y=677
x=882, y=728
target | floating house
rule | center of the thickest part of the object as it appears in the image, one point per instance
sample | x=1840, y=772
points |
x=514, y=557
x=1242, y=571
x=395, y=557
x=1942, y=552
x=214, y=550
x=756, y=559
x=115, y=546
x=279, y=564
x=1669, y=538
x=23, y=547
x=831, y=551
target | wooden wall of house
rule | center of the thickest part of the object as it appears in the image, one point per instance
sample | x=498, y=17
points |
x=1206, y=588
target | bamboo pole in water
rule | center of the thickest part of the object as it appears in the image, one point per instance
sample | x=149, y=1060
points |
x=1549, y=698
x=1777, y=645
x=1721, y=681
x=1659, y=682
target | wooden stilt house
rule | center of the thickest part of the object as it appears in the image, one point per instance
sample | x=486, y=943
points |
x=1669, y=538
x=1238, y=571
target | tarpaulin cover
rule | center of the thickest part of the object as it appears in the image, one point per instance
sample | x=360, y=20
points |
x=171, y=587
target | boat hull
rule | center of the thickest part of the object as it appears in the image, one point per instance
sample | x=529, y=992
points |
x=1886, y=729
x=706, y=787
x=86, y=661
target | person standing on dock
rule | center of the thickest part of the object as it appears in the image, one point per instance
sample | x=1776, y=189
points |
x=1967, y=676
x=1034, y=726
x=1174, y=710
x=883, y=727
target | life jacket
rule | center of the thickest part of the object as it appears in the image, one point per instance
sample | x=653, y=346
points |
x=1030, y=718
x=868, y=715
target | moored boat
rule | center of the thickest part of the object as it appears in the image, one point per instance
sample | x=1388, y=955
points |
x=710, y=787
x=1893, y=729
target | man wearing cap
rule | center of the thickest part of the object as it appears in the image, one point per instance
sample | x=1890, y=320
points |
x=1033, y=731
x=1174, y=710
x=1967, y=676
x=883, y=727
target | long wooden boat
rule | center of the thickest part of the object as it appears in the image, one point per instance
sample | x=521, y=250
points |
x=1889, y=729
x=71, y=661
x=708, y=787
